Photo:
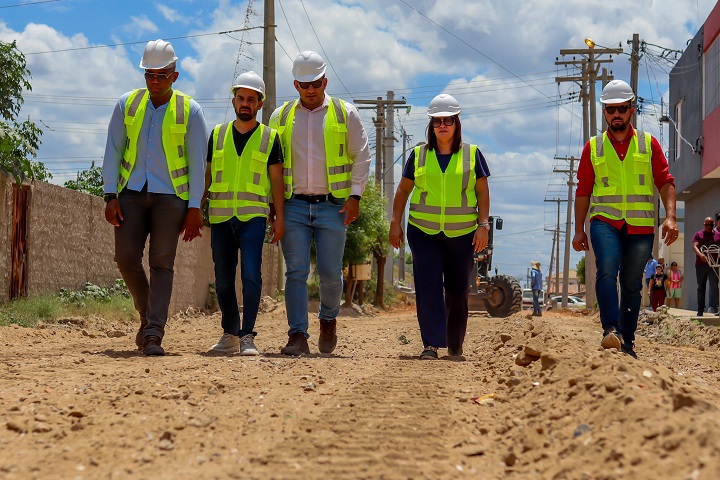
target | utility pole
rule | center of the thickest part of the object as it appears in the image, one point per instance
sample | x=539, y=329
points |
x=269, y=62
x=556, y=245
x=385, y=109
x=552, y=259
x=590, y=64
x=634, y=67
x=405, y=138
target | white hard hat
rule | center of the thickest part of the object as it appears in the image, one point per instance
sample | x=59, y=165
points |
x=158, y=54
x=250, y=80
x=308, y=66
x=617, y=91
x=444, y=105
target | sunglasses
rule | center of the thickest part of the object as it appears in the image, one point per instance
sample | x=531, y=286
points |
x=709, y=224
x=448, y=121
x=621, y=109
x=158, y=76
x=315, y=84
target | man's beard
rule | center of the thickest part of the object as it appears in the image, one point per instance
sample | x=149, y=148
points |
x=245, y=116
x=619, y=128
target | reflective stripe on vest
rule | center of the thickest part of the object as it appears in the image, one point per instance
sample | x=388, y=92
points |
x=623, y=189
x=174, y=127
x=444, y=201
x=338, y=164
x=240, y=184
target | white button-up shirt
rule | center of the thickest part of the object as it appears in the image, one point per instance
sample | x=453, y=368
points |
x=309, y=165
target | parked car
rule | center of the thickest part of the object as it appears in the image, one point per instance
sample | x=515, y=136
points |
x=573, y=302
x=527, y=301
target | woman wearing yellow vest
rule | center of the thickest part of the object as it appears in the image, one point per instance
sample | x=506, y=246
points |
x=450, y=198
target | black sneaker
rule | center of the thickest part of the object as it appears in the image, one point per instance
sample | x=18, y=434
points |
x=629, y=351
x=152, y=347
x=430, y=353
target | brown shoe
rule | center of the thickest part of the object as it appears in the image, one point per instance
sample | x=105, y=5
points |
x=151, y=346
x=140, y=335
x=297, y=345
x=328, y=338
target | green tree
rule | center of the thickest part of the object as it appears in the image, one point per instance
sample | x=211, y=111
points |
x=367, y=237
x=88, y=181
x=19, y=141
x=581, y=270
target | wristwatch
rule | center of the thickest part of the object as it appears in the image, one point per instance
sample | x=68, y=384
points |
x=485, y=225
x=110, y=196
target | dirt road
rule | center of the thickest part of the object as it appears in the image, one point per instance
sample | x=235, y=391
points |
x=78, y=402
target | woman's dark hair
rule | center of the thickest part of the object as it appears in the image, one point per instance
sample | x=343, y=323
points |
x=432, y=139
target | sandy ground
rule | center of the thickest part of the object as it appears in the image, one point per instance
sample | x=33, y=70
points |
x=532, y=398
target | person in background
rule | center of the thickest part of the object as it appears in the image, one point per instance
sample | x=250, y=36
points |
x=244, y=171
x=703, y=271
x=649, y=272
x=153, y=176
x=657, y=288
x=536, y=285
x=616, y=176
x=327, y=164
x=448, y=221
x=674, y=285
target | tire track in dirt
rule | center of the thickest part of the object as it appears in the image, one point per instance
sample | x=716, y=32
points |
x=385, y=423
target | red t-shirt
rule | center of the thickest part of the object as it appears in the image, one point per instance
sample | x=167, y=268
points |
x=586, y=175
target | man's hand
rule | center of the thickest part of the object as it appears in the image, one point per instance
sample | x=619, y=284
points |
x=351, y=210
x=113, y=213
x=669, y=231
x=580, y=241
x=192, y=224
x=277, y=229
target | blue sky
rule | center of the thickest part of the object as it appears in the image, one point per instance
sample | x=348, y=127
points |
x=497, y=58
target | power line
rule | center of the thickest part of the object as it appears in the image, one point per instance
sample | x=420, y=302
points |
x=30, y=3
x=289, y=28
x=323, y=49
x=107, y=45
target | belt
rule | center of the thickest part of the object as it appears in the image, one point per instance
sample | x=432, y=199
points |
x=313, y=198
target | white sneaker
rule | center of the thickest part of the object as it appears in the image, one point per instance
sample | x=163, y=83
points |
x=227, y=344
x=247, y=346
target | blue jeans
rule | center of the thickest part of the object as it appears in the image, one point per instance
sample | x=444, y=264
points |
x=226, y=238
x=616, y=251
x=536, y=301
x=324, y=224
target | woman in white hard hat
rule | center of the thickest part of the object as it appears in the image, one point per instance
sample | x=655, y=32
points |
x=450, y=199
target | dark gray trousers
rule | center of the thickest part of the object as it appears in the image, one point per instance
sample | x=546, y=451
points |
x=161, y=217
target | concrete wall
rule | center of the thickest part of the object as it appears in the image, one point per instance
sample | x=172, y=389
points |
x=70, y=243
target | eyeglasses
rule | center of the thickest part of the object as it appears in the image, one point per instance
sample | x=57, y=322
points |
x=158, y=76
x=315, y=84
x=448, y=121
x=621, y=109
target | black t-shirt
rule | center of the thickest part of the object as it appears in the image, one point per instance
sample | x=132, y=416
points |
x=481, y=168
x=658, y=281
x=241, y=140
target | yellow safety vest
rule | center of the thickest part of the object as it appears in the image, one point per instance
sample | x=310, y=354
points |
x=174, y=127
x=623, y=189
x=240, y=185
x=338, y=163
x=444, y=201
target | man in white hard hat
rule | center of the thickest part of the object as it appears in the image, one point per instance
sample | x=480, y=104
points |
x=615, y=184
x=153, y=173
x=244, y=169
x=327, y=161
